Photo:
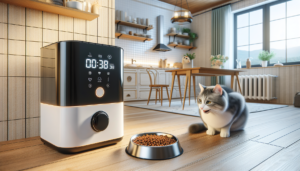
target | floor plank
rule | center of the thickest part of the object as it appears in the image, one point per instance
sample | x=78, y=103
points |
x=242, y=157
x=279, y=134
x=286, y=159
x=288, y=139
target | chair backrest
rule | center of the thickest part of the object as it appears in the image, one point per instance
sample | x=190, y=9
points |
x=154, y=73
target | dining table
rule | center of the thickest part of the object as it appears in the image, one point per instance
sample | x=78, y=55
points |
x=200, y=71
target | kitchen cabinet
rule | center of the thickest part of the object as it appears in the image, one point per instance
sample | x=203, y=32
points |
x=136, y=84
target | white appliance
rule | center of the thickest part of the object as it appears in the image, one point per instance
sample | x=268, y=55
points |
x=81, y=95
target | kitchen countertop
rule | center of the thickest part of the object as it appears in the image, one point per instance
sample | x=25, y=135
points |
x=245, y=150
x=128, y=67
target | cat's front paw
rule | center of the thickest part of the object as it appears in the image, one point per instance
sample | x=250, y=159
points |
x=225, y=134
x=210, y=132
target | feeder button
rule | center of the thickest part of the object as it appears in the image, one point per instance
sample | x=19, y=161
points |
x=99, y=92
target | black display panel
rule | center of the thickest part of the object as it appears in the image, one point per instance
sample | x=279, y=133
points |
x=80, y=68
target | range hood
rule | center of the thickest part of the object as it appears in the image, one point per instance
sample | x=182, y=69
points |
x=160, y=35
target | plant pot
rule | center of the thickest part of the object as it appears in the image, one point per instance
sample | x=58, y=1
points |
x=173, y=30
x=264, y=63
x=185, y=34
x=186, y=42
x=216, y=66
x=188, y=65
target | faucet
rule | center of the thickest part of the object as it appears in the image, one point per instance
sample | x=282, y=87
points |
x=132, y=61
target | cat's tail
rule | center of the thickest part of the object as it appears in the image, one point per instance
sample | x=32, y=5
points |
x=196, y=128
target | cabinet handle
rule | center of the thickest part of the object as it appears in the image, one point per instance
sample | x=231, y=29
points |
x=128, y=95
x=129, y=78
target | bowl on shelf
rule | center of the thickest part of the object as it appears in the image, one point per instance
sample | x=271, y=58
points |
x=74, y=4
x=154, y=152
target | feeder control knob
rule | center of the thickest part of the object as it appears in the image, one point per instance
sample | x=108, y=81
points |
x=99, y=121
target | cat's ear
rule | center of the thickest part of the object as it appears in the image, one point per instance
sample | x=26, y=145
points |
x=201, y=88
x=218, y=89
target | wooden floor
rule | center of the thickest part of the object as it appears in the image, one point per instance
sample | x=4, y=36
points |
x=269, y=142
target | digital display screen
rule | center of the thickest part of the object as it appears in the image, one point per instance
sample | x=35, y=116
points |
x=98, y=64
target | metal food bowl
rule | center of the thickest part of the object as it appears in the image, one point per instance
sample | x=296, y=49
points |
x=154, y=152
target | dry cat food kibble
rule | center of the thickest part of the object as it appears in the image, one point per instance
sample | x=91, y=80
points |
x=154, y=140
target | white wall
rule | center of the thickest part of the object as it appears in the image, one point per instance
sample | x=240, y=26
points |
x=138, y=50
x=202, y=26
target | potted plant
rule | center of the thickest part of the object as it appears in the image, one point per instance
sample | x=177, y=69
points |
x=193, y=37
x=186, y=31
x=217, y=61
x=187, y=60
x=265, y=56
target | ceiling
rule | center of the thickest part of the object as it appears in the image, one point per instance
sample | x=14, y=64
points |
x=196, y=5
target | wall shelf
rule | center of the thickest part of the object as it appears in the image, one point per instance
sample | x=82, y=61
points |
x=51, y=8
x=178, y=35
x=120, y=35
x=182, y=46
x=118, y=22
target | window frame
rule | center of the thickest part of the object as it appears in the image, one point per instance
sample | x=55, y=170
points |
x=266, y=31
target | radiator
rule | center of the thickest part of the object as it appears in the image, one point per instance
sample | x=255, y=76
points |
x=257, y=87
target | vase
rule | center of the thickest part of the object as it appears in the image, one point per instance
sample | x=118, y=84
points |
x=248, y=63
x=216, y=66
x=264, y=63
x=238, y=64
x=188, y=65
x=95, y=9
x=173, y=30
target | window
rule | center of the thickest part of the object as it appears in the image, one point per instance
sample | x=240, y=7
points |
x=273, y=27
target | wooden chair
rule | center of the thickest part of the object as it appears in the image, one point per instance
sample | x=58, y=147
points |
x=158, y=87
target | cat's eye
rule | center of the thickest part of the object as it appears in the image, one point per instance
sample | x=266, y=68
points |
x=208, y=102
x=199, y=101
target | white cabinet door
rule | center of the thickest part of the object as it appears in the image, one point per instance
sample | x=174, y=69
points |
x=130, y=95
x=130, y=79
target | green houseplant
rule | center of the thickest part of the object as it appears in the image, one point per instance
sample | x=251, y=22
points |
x=193, y=37
x=190, y=55
x=265, y=56
x=188, y=32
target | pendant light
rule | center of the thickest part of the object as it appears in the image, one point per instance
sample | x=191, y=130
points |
x=182, y=16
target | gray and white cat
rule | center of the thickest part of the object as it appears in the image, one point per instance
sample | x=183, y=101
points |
x=221, y=110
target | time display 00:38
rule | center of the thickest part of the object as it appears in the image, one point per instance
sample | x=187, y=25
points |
x=92, y=63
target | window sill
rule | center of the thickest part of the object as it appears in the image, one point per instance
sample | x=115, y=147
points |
x=273, y=66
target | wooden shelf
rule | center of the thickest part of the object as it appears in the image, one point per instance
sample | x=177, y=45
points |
x=178, y=35
x=51, y=8
x=182, y=46
x=120, y=35
x=133, y=25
